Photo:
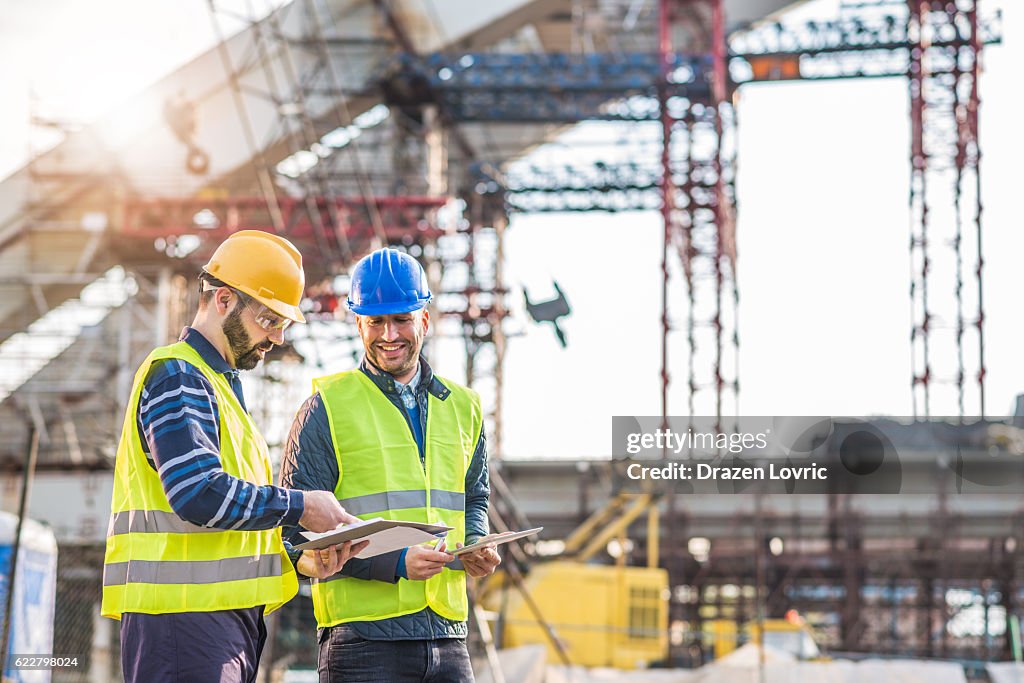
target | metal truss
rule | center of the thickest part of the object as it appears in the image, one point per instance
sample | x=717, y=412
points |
x=947, y=302
x=567, y=88
x=864, y=44
x=600, y=186
x=551, y=87
x=403, y=220
x=473, y=295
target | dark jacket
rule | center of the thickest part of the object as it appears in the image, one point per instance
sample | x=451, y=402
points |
x=310, y=464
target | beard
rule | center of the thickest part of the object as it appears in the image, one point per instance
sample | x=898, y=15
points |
x=399, y=366
x=246, y=353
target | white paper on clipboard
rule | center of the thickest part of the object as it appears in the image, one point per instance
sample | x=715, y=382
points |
x=384, y=536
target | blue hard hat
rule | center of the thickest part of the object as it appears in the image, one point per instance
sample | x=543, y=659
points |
x=388, y=281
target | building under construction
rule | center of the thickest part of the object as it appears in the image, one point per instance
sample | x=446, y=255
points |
x=348, y=125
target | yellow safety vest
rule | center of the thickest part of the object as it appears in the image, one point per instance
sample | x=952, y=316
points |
x=158, y=563
x=380, y=475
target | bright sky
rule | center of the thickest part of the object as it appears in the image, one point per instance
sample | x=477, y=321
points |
x=823, y=234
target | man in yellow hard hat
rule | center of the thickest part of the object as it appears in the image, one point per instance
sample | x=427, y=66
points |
x=194, y=553
x=391, y=439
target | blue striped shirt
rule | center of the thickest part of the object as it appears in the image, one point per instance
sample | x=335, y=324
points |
x=179, y=424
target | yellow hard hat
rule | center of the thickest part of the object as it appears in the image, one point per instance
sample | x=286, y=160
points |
x=265, y=266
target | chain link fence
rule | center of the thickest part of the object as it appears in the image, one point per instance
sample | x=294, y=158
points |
x=78, y=629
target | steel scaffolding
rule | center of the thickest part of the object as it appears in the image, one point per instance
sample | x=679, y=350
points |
x=945, y=162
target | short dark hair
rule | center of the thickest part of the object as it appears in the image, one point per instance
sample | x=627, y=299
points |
x=205, y=293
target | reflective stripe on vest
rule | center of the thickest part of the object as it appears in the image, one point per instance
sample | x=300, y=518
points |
x=151, y=522
x=207, y=571
x=381, y=475
x=158, y=563
x=374, y=503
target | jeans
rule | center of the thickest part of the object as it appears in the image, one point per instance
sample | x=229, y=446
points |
x=347, y=658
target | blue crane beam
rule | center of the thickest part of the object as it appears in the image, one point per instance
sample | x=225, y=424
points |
x=490, y=87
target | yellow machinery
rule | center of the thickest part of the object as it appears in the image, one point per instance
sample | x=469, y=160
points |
x=721, y=636
x=602, y=615
x=592, y=614
x=790, y=635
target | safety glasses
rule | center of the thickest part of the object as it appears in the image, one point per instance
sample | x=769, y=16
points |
x=266, y=318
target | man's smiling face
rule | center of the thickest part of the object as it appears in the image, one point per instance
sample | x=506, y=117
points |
x=393, y=342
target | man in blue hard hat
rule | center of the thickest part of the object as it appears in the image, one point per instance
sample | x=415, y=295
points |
x=392, y=439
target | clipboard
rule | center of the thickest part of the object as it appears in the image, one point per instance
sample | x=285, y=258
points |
x=496, y=539
x=385, y=535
